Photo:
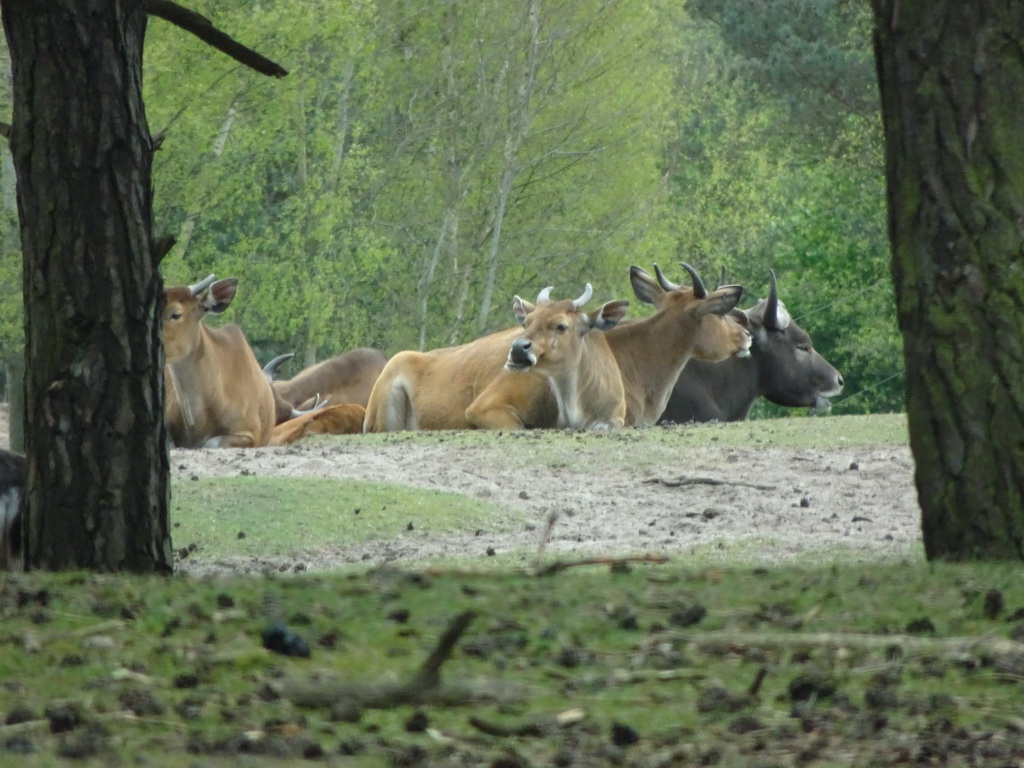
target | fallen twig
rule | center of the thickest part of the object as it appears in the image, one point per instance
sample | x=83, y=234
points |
x=560, y=565
x=988, y=644
x=545, y=538
x=424, y=687
x=683, y=480
x=539, y=725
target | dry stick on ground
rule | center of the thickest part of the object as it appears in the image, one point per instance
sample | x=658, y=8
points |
x=545, y=538
x=989, y=644
x=538, y=725
x=424, y=687
x=683, y=480
x=201, y=27
x=560, y=565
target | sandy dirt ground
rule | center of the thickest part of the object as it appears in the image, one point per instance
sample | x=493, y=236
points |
x=773, y=504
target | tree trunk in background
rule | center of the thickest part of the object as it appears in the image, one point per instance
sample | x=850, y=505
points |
x=952, y=82
x=97, y=495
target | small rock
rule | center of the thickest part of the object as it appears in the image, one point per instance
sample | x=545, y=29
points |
x=279, y=639
x=63, y=717
x=624, y=735
x=811, y=685
x=922, y=626
x=491, y=552
x=418, y=722
x=993, y=605
x=688, y=616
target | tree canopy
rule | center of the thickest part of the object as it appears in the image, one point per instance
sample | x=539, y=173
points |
x=423, y=162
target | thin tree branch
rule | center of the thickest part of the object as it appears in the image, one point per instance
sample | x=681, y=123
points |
x=201, y=27
x=162, y=246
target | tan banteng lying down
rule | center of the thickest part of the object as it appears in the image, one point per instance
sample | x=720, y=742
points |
x=332, y=420
x=217, y=394
x=493, y=382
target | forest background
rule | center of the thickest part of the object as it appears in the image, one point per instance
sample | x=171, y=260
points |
x=425, y=161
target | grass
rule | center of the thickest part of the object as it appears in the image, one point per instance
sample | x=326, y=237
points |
x=862, y=664
x=275, y=516
x=828, y=664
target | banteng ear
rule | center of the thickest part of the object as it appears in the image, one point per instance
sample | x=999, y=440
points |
x=721, y=302
x=608, y=315
x=742, y=318
x=220, y=295
x=521, y=308
x=645, y=287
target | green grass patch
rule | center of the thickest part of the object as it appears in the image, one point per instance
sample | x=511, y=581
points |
x=275, y=516
x=859, y=665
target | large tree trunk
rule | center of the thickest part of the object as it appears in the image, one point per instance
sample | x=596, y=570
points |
x=951, y=75
x=97, y=495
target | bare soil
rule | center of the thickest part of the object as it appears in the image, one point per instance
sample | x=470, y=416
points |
x=762, y=503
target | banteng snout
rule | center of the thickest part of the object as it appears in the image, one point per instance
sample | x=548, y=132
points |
x=520, y=356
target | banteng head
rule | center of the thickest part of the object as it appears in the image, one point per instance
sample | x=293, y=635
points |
x=553, y=331
x=184, y=309
x=708, y=322
x=791, y=371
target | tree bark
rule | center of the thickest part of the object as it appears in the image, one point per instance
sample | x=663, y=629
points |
x=97, y=491
x=951, y=76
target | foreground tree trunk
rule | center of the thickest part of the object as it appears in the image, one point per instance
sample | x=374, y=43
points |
x=952, y=82
x=97, y=494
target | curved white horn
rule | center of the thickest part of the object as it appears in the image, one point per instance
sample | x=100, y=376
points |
x=664, y=282
x=587, y=293
x=270, y=369
x=545, y=294
x=202, y=285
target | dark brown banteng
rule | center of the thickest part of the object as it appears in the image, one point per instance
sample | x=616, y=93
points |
x=783, y=367
x=12, y=491
x=347, y=378
x=217, y=394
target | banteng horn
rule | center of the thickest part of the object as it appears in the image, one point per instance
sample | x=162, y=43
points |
x=698, y=285
x=201, y=286
x=587, y=293
x=663, y=281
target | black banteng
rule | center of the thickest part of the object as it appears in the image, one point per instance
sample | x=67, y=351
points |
x=783, y=366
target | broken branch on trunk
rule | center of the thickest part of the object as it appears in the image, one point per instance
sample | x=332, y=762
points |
x=203, y=28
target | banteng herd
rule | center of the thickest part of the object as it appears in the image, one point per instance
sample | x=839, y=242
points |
x=698, y=357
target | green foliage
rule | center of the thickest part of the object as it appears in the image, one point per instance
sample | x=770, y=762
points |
x=761, y=184
x=423, y=162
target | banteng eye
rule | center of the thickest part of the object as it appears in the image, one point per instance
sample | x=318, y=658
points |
x=561, y=327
